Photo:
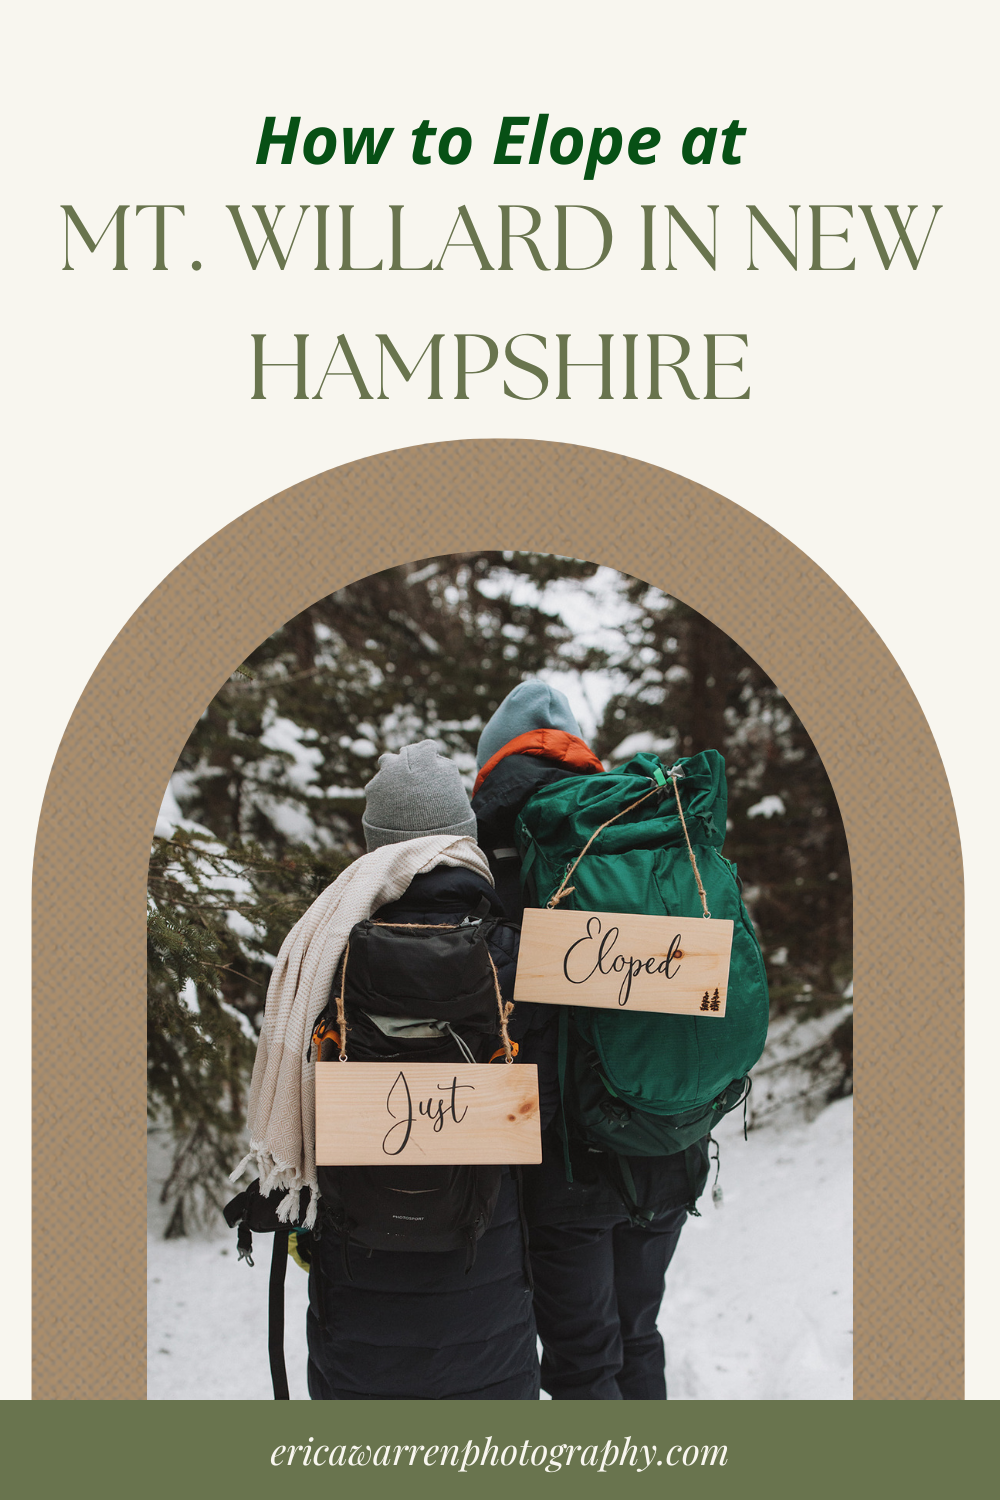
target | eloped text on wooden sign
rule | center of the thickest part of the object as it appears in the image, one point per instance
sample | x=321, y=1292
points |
x=617, y=961
x=452, y=1114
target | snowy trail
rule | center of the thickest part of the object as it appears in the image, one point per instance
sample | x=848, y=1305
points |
x=206, y=1312
x=757, y=1305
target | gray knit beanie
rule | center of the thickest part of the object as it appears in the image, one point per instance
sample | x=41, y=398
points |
x=531, y=705
x=413, y=794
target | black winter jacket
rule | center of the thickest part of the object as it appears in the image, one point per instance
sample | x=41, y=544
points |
x=497, y=806
x=416, y=1325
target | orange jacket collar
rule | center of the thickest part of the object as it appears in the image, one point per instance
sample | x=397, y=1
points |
x=552, y=744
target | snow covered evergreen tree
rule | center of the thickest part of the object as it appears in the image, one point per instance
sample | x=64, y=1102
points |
x=265, y=807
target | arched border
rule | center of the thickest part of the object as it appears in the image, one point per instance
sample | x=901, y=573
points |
x=173, y=655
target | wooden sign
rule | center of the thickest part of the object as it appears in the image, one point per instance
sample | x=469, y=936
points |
x=617, y=961
x=451, y=1114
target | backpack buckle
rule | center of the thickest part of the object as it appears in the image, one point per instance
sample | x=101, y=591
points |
x=616, y=1112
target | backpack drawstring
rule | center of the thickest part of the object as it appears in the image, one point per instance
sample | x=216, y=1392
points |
x=746, y=1096
x=716, y=1189
x=462, y=1047
x=639, y=1217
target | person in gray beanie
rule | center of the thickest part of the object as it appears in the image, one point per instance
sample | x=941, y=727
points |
x=413, y=794
x=388, y=1325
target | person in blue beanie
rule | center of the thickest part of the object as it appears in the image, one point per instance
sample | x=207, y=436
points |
x=532, y=739
x=599, y=1275
x=531, y=705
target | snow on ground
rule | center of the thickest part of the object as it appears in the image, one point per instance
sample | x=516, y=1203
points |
x=757, y=1304
x=207, y=1313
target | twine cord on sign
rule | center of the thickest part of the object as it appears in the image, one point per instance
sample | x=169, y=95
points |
x=566, y=890
x=673, y=775
x=504, y=1009
x=341, y=1017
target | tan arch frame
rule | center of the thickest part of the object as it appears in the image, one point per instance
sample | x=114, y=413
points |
x=180, y=646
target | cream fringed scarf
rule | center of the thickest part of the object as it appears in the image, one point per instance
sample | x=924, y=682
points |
x=281, y=1111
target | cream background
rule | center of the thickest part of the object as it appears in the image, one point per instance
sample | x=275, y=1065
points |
x=132, y=438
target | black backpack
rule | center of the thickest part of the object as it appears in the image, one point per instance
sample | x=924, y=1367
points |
x=413, y=993
x=408, y=992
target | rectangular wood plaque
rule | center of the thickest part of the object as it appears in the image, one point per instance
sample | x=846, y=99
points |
x=414, y=1114
x=617, y=961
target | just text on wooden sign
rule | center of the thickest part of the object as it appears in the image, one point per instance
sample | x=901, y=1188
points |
x=400, y=1114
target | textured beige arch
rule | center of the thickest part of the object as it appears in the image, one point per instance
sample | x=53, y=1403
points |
x=179, y=647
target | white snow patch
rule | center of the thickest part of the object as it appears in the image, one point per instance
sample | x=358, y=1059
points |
x=421, y=573
x=169, y=815
x=290, y=819
x=758, y=1303
x=595, y=611
x=766, y=808
x=241, y=925
x=645, y=740
x=207, y=1313
x=587, y=692
x=286, y=736
x=245, y=1024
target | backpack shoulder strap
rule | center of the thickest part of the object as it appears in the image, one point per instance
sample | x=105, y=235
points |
x=527, y=860
x=276, y=1316
x=563, y=1054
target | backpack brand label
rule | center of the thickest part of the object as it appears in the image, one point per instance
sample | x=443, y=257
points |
x=620, y=961
x=449, y=1114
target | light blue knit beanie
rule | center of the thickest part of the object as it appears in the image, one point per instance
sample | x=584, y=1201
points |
x=531, y=705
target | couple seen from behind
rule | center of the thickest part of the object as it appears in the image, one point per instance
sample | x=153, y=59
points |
x=572, y=1252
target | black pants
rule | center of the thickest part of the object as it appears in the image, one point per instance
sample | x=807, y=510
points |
x=598, y=1289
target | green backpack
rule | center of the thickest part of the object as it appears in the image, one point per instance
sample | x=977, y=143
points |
x=637, y=1083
